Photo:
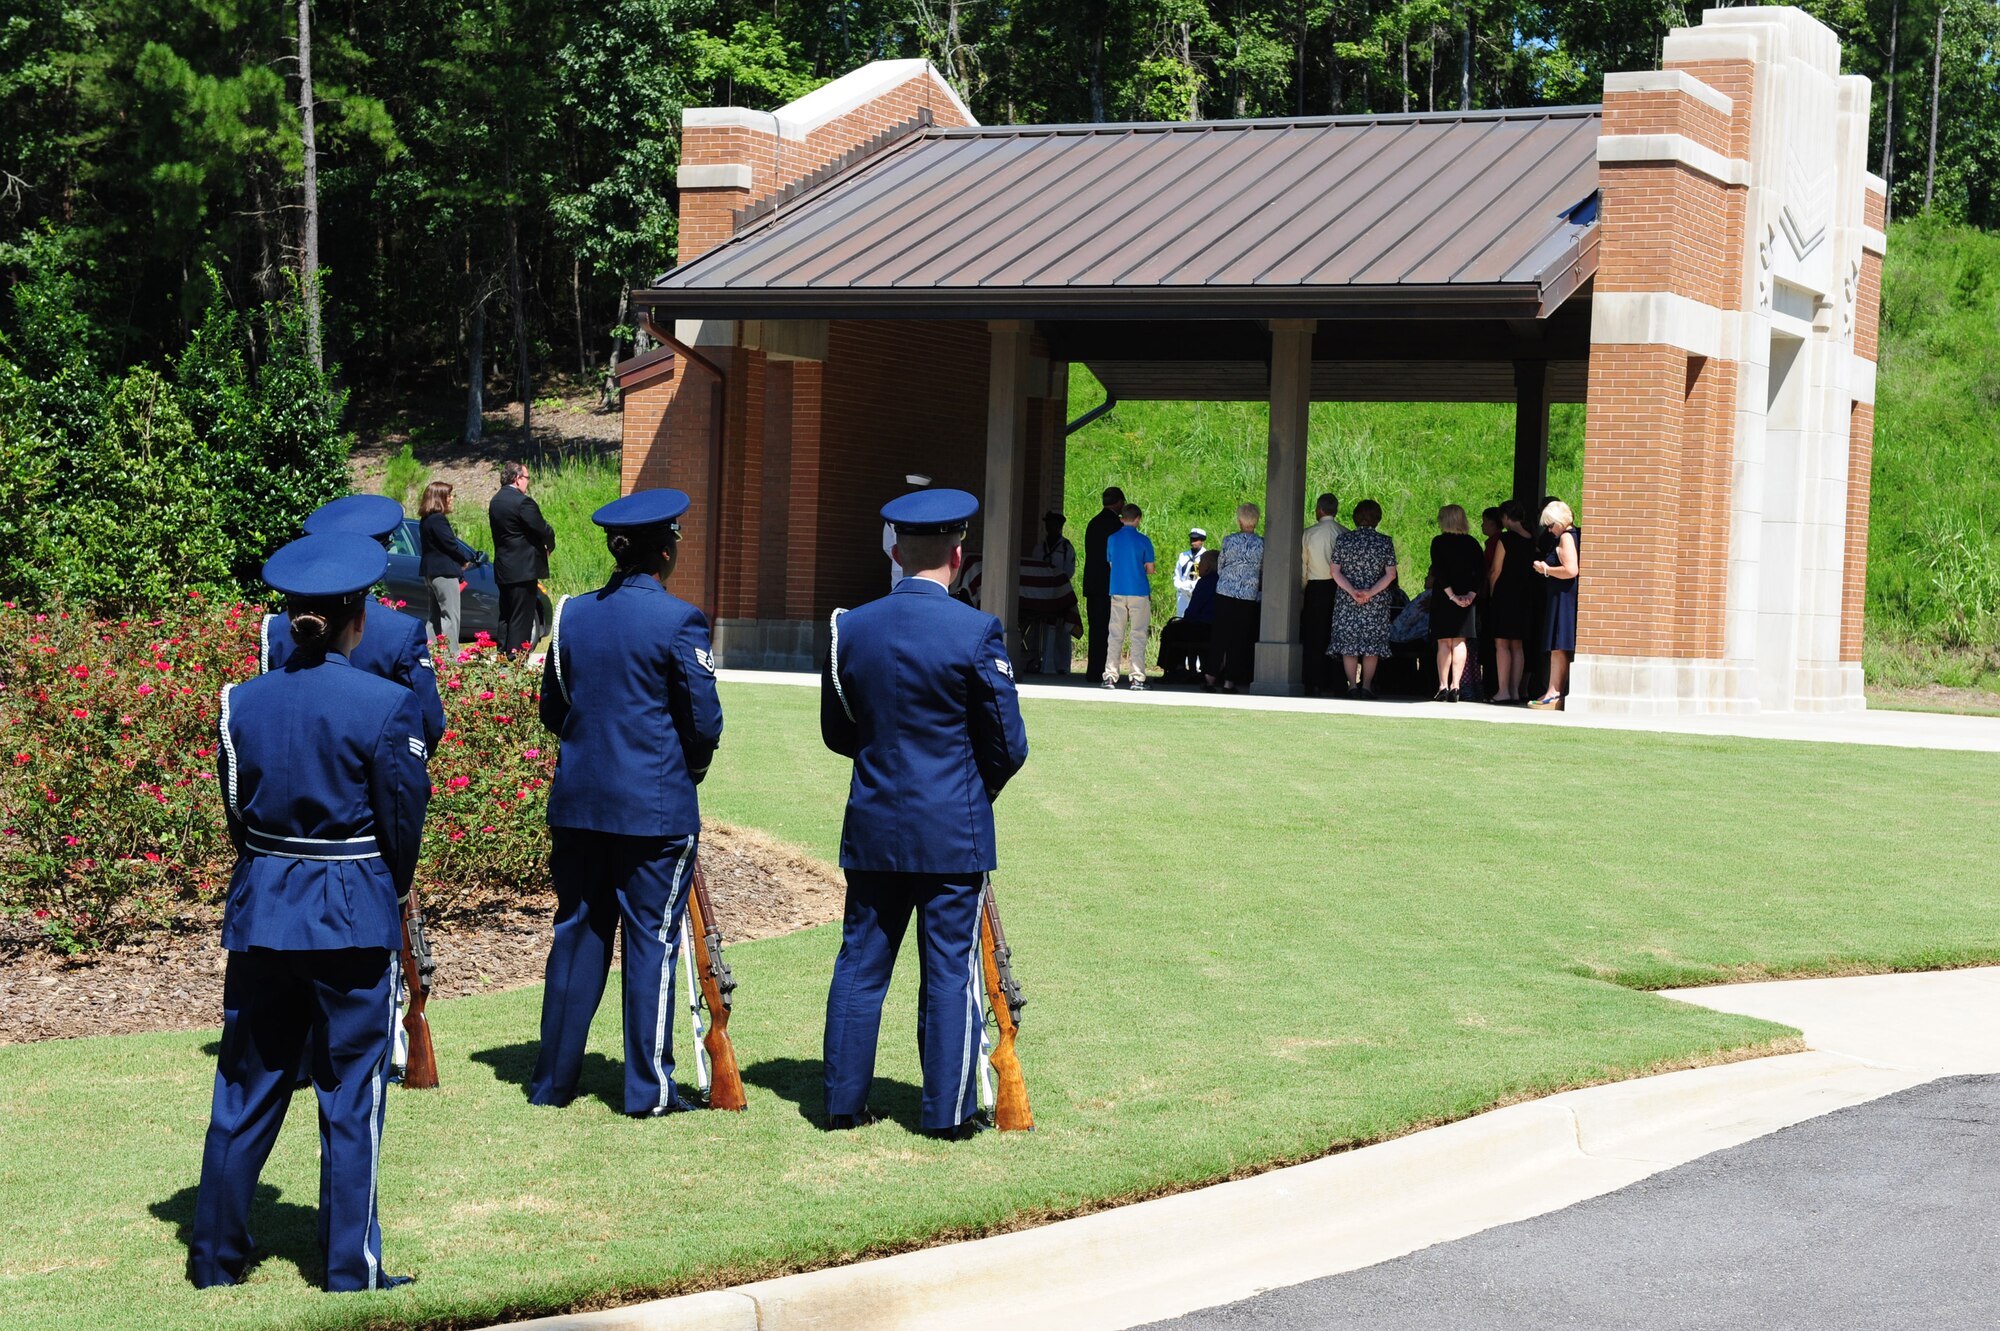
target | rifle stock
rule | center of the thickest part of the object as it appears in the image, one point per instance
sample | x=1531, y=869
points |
x=725, y=1089
x=1003, y=997
x=418, y=967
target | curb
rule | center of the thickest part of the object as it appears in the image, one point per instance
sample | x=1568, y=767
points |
x=1198, y=1249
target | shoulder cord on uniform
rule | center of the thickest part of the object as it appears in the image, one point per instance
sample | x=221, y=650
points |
x=833, y=663
x=555, y=647
x=229, y=755
x=264, y=644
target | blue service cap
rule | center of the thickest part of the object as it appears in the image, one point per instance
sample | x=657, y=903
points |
x=366, y=515
x=643, y=508
x=930, y=511
x=328, y=566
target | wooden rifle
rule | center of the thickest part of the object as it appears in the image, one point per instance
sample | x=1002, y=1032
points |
x=421, y=1073
x=1004, y=1004
x=710, y=986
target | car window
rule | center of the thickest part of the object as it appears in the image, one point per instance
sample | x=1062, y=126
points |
x=403, y=541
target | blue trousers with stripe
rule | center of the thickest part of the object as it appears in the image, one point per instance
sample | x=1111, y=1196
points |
x=949, y=1012
x=339, y=1008
x=603, y=882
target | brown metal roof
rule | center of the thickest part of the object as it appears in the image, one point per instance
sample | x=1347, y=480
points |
x=1385, y=216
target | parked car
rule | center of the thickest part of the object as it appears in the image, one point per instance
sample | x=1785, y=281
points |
x=478, y=599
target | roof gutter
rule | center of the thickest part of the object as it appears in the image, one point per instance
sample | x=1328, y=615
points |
x=1110, y=401
x=712, y=579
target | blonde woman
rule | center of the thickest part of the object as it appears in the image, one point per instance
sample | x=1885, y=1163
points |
x=444, y=558
x=1458, y=571
x=1559, y=619
x=1239, y=589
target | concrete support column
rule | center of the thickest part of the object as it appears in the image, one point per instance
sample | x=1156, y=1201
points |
x=1280, y=656
x=1006, y=470
x=1532, y=381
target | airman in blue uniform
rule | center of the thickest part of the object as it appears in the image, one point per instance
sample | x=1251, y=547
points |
x=629, y=688
x=395, y=646
x=321, y=768
x=919, y=692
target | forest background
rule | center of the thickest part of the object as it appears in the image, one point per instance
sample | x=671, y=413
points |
x=220, y=218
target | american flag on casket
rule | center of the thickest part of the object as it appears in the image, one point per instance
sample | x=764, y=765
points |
x=1046, y=595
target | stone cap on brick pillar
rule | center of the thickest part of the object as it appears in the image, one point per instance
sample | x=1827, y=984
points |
x=731, y=157
x=800, y=119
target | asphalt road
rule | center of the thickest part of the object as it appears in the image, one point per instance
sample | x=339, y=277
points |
x=1886, y=1215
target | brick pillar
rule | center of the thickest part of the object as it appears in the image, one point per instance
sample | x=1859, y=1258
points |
x=731, y=158
x=1719, y=454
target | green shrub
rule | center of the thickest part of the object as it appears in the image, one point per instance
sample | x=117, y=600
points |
x=124, y=491
x=110, y=823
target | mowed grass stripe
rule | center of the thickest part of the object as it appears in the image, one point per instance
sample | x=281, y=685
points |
x=1245, y=938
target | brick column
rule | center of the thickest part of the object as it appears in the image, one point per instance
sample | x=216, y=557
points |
x=1724, y=494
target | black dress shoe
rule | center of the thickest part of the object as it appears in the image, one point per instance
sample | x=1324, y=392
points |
x=1451, y=695
x=848, y=1122
x=397, y=1282
x=965, y=1131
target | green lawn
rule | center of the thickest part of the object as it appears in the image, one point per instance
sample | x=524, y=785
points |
x=1245, y=937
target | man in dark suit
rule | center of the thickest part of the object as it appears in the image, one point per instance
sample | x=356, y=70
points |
x=1097, y=575
x=522, y=544
x=919, y=692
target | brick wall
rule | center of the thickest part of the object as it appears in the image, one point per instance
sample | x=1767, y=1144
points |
x=1854, y=559
x=1868, y=308
x=769, y=540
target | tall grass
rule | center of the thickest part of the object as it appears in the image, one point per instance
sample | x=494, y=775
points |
x=569, y=488
x=1189, y=464
x=1933, y=548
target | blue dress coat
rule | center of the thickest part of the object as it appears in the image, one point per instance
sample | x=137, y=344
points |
x=629, y=689
x=322, y=772
x=919, y=692
x=393, y=646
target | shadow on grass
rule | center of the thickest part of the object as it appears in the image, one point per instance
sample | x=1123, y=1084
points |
x=803, y=1082
x=603, y=1078
x=284, y=1230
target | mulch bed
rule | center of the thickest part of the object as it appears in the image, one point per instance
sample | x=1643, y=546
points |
x=173, y=982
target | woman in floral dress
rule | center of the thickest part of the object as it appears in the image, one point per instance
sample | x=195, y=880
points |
x=1364, y=566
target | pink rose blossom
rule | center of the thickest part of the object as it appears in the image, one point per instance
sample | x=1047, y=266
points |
x=145, y=690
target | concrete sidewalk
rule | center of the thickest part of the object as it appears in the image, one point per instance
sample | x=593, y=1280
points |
x=1903, y=730
x=1868, y=1037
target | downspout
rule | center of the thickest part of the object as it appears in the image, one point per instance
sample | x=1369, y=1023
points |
x=1110, y=401
x=712, y=581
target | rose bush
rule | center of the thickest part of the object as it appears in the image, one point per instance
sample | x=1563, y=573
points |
x=110, y=820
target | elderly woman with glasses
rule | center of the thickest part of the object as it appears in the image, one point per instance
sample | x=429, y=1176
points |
x=1559, y=617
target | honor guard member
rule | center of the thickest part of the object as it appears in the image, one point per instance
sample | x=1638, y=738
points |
x=629, y=688
x=321, y=768
x=918, y=691
x=396, y=646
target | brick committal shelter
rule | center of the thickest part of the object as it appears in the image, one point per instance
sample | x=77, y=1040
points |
x=872, y=284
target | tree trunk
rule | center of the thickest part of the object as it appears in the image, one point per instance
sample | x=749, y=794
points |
x=524, y=384
x=1097, y=65
x=1187, y=60
x=1431, y=95
x=1465, y=63
x=309, y=240
x=1889, y=107
x=1299, y=66
x=1406, y=73
x=1937, y=71
x=475, y=374
x=576, y=302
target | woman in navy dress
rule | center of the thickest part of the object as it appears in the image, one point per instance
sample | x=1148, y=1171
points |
x=1559, y=619
x=629, y=688
x=321, y=769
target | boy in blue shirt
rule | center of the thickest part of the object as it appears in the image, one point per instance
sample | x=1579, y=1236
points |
x=1130, y=554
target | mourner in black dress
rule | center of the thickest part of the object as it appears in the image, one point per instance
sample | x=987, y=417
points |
x=1458, y=575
